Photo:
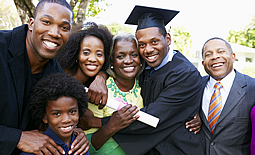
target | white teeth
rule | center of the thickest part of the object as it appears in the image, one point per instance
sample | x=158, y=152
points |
x=50, y=44
x=128, y=68
x=66, y=128
x=217, y=65
x=91, y=67
x=152, y=57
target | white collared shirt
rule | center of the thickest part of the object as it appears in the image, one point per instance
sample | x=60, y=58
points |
x=209, y=89
x=168, y=58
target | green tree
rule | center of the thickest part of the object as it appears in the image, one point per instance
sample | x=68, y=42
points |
x=249, y=70
x=116, y=28
x=8, y=19
x=244, y=37
x=182, y=40
x=81, y=8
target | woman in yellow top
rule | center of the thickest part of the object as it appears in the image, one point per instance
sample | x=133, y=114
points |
x=122, y=86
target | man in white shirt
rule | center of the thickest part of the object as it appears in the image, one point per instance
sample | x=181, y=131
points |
x=226, y=115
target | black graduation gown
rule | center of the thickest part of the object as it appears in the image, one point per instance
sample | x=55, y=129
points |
x=172, y=94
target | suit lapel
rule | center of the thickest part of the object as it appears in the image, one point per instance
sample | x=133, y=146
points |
x=202, y=115
x=235, y=95
x=18, y=65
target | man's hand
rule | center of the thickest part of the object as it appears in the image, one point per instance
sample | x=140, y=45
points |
x=38, y=143
x=81, y=144
x=88, y=120
x=98, y=91
x=195, y=124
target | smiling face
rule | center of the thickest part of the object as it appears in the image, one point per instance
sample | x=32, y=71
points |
x=91, y=57
x=153, y=46
x=218, y=59
x=48, y=32
x=62, y=116
x=126, y=61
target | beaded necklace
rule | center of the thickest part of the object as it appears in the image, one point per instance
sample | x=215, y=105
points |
x=116, y=90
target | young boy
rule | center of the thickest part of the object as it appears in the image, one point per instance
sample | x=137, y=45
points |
x=56, y=103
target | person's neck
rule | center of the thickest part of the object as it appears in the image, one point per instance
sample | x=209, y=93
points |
x=124, y=84
x=80, y=76
x=36, y=65
x=67, y=140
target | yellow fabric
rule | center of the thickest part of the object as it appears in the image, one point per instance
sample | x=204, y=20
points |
x=111, y=146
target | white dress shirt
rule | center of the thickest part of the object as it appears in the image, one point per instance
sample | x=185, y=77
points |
x=209, y=89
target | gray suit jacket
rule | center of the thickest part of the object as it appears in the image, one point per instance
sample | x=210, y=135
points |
x=232, y=134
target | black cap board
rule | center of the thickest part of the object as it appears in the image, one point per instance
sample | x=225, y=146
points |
x=145, y=17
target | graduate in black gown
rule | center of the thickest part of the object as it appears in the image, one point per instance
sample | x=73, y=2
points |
x=171, y=89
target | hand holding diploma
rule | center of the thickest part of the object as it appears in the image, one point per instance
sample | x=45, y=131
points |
x=143, y=117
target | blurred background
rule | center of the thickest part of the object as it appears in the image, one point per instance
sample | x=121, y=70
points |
x=197, y=21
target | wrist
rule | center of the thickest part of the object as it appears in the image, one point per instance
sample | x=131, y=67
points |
x=101, y=75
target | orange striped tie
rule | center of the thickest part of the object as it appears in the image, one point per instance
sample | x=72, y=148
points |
x=215, y=106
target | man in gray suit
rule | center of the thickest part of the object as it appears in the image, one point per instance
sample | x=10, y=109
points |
x=226, y=118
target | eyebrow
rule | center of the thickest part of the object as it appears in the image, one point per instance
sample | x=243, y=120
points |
x=60, y=110
x=64, y=22
x=153, y=38
x=221, y=48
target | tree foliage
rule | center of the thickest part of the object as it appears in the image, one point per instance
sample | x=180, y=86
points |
x=116, y=28
x=249, y=70
x=182, y=40
x=81, y=8
x=244, y=37
x=8, y=18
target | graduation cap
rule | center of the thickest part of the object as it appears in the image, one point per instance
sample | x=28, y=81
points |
x=145, y=17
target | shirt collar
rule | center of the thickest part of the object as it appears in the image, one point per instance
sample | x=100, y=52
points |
x=167, y=58
x=226, y=82
x=58, y=140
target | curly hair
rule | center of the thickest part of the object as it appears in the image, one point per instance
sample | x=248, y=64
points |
x=52, y=87
x=68, y=55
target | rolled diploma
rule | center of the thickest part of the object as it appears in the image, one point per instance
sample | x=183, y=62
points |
x=144, y=117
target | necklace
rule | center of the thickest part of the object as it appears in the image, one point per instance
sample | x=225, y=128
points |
x=116, y=90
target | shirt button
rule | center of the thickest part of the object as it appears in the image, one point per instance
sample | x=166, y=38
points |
x=212, y=143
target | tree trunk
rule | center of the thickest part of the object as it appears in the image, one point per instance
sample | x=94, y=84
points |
x=81, y=14
x=73, y=3
x=25, y=9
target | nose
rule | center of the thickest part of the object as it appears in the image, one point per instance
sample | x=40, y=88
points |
x=92, y=57
x=54, y=31
x=66, y=118
x=149, y=49
x=128, y=59
x=215, y=55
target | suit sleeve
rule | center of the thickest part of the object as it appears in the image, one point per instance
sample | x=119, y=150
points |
x=9, y=139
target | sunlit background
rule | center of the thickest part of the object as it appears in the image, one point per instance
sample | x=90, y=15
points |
x=198, y=21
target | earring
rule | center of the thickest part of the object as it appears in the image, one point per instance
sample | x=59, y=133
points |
x=111, y=67
x=76, y=60
x=141, y=65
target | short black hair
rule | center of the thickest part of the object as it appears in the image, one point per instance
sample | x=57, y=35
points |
x=60, y=2
x=68, y=55
x=52, y=87
x=217, y=38
x=162, y=31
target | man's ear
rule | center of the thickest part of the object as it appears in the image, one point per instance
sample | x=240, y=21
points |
x=31, y=23
x=168, y=39
x=45, y=119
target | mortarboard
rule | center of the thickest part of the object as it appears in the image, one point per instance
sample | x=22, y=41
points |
x=145, y=17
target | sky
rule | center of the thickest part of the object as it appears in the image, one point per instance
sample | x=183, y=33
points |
x=202, y=18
